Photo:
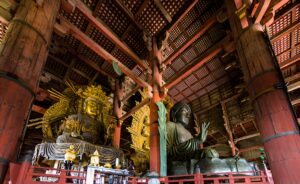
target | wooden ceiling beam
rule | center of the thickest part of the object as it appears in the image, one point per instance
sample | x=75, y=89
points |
x=69, y=69
x=246, y=137
x=87, y=41
x=216, y=104
x=129, y=14
x=194, y=67
x=135, y=108
x=163, y=10
x=206, y=26
x=134, y=90
x=242, y=150
x=293, y=86
x=293, y=77
x=243, y=128
x=109, y=33
x=182, y=15
x=289, y=62
x=93, y=65
x=141, y=9
x=38, y=109
x=57, y=60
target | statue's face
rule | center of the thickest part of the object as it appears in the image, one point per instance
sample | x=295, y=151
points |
x=183, y=116
x=91, y=107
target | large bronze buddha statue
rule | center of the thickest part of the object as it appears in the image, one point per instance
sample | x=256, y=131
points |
x=183, y=148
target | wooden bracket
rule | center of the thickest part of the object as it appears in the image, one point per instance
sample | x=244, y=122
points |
x=68, y=5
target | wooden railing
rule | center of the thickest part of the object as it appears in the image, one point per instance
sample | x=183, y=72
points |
x=46, y=175
x=37, y=175
x=261, y=177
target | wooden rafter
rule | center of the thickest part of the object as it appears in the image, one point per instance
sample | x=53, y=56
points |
x=94, y=66
x=194, y=67
x=140, y=10
x=243, y=128
x=183, y=15
x=129, y=14
x=58, y=60
x=109, y=33
x=208, y=24
x=216, y=104
x=70, y=67
x=38, y=109
x=135, y=108
x=84, y=39
x=134, y=90
x=163, y=10
x=246, y=137
x=250, y=148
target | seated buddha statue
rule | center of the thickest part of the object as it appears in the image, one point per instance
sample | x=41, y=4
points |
x=183, y=149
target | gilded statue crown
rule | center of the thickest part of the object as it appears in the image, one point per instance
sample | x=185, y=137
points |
x=93, y=93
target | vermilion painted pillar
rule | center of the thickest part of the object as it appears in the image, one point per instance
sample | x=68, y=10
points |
x=274, y=116
x=22, y=56
x=156, y=87
x=118, y=111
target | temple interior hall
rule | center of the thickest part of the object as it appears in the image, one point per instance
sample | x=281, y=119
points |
x=149, y=91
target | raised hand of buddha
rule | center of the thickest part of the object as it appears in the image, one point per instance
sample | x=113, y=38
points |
x=204, y=130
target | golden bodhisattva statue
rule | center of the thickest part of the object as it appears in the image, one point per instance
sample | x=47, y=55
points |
x=81, y=118
x=81, y=115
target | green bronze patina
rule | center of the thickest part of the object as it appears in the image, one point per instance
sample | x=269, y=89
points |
x=162, y=120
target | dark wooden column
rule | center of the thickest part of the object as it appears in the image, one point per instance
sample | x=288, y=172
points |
x=22, y=56
x=274, y=115
x=156, y=83
x=118, y=111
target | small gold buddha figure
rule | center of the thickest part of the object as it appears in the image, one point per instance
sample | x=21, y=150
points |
x=95, y=159
x=70, y=156
x=107, y=165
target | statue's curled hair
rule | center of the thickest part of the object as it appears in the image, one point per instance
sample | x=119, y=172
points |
x=178, y=106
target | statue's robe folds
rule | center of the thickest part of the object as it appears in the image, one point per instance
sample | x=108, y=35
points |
x=182, y=149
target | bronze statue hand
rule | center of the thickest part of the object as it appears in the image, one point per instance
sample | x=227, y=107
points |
x=204, y=131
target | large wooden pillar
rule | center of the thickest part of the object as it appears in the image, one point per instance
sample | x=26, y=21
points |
x=118, y=111
x=22, y=56
x=274, y=115
x=156, y=83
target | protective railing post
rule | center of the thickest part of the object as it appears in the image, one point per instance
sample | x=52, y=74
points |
x=247, y=180
x=166, y=180
x=216, y=181
x=198, y=178
x=231, y=179
x=263, y=177
x=62, y=177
